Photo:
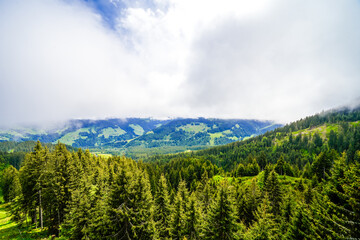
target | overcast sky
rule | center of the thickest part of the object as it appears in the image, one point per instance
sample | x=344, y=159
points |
x=266, y=59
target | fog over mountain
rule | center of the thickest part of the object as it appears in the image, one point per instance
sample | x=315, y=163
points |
x=277, y=59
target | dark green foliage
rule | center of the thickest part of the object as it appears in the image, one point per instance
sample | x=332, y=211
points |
x=262, y=158
x=220, y=222
x=322, y=164
x=282, y=185
x=31, y=178
x=247, y=201
x=10, y=184
x=131, y=206
x=279, y=167
x=178, y=218
x=193, y=219
x=300, y=226
x=265, y=227
x=162, y=209
x=273, y=189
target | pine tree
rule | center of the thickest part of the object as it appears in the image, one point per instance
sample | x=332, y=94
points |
x=280, y=166
x=184, y=193
x=344, y=198
x=262, y=160
x=57, y=190
x=273, y=189
x=308, y=195
x=220, y=222
x=322, y=164
x=178, y=218
x=246, y=203
x=193, y=219
x=265, y=227
x=351, y=187
x=332, y=143
x=10, y=184
x=77, y=221
x=31, y=178
x=143, y=208
x=162, y=209
x=300, y=227
x=100, y=223
x=131, y=206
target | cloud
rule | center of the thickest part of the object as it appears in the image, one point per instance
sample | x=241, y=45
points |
x=247, y=59
x=295, y=60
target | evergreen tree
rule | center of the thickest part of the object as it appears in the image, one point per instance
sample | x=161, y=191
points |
x=131, y=206
x=300, y=227
x=265, y=227
x=322, y=164
x=247, y=203
x=83, y=199
x=162, y=209
x=184, y=193
x=220, y=222
x=178, y=218
x=280, y=165
x=273, y=189
x=57, y=187
x=100, y=223
x=262, y=160
x=10, y=184
x=332, y=143
x=30, y=180
x=193, y=219
x=317, y=140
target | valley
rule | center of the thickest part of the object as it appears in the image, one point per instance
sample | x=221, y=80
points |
x=136, y=137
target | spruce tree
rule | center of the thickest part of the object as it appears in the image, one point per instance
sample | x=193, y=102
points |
x=220, y=222
x=280, y=166
x=131, y=206
x=300, y=226
x=247, y=203
x=178, y=219
x=264, y=228
x=10, y=184
x=184, y=193
x=274, y=191
x=162, y=209
x=31, y=178
x=57, y=190
x=193, y=219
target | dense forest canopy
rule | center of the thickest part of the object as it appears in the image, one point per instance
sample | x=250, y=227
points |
x=301, y=181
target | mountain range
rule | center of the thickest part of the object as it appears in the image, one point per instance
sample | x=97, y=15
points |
x=143, y=133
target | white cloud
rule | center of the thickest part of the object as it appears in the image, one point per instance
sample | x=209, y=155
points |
x=270, y=59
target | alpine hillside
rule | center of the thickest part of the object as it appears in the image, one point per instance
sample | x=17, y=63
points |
x=133, y=135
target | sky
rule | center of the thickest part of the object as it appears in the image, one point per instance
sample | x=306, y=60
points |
x=262, y=59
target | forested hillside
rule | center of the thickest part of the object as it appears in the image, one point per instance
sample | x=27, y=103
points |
x=301, y=181
x=139, y=137
x=13, y=153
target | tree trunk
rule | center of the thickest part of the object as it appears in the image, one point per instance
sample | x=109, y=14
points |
x=40, y=211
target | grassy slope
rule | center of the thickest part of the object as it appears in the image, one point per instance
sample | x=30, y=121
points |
x=70, y=138
x=10, y=230
x=322, y=130
x=287, y=183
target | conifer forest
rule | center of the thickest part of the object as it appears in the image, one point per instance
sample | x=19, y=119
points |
x=300, y=181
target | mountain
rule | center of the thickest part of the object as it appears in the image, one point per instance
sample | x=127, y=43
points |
x=300, y=181
x=201, y=131
x=143, y=133
x=85, y=133
x=299, y=142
